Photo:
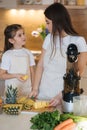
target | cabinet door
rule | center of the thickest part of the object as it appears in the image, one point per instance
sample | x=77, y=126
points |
x=8, y=3
x=2, y=3
x=11, y=3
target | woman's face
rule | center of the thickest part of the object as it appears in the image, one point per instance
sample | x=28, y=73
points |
x=48, y=24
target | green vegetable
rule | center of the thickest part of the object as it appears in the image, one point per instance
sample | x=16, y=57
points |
x=45, y=120
x=48, y=120
x=74, y=117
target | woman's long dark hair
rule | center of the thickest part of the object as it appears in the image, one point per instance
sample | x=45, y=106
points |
x=10, y=32
x=60, y=20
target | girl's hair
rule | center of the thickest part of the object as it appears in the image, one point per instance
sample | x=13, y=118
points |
x=10, y=32
x=61, y=20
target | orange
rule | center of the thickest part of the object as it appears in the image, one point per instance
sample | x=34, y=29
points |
x=0, y=101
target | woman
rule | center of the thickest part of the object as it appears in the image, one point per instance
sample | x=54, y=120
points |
x=52, y=65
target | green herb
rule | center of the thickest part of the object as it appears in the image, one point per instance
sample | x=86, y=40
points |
x=74, y=117
x=45, y=120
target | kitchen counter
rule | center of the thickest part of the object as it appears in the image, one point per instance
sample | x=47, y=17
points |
x=16, y=122
x=36, y=55
x=22, y=122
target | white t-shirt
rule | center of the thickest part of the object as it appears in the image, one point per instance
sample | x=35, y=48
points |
x=8, y=55
x=54, y=66
x=18, y=61
x=77, y=40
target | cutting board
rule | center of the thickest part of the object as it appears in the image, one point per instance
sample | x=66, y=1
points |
x=41, y=109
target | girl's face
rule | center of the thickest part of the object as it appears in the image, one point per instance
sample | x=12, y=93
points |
x=19, y=39
x=48, y=24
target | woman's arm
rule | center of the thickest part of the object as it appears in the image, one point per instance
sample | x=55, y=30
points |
x=38, y=75
x=81, y=63
x=32, y=73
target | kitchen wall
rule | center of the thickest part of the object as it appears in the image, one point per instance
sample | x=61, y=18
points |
x=30, y=19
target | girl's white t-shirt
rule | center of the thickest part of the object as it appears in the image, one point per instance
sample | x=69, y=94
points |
x=18, y=61
x=5, y=64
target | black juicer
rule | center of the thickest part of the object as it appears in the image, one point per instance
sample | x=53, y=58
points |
x=71, y=80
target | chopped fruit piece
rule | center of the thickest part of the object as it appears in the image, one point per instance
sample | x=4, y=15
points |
x=24, y=77
x=21, y=100
x=41, y=104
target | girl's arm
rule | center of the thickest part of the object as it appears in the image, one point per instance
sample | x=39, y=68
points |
x=5, y=75
x=38, y=75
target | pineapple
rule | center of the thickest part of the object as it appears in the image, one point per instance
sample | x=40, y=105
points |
x=11, y=95
x=41, y=104
x=12, y=109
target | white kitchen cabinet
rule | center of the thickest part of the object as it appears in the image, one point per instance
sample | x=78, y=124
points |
x=19, y=5
x=2, y=3
x=8, y=3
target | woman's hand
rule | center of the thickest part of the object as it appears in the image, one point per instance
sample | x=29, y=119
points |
x=57, y=100
x=33, y=93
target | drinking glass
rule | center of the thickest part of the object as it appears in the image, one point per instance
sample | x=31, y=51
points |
x=80, y=105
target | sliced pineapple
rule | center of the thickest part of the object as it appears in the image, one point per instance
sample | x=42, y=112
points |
x=21, y=100
x=41, y=104
x=28, y=104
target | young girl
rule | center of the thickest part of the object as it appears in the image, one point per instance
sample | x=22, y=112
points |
x=17, y=66
x=52, y=65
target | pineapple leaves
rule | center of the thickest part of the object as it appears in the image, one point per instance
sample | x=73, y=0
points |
x=11, y=95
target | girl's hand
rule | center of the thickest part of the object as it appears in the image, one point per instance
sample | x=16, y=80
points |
x=57, y=100
x=22, y=77
x=33, y=93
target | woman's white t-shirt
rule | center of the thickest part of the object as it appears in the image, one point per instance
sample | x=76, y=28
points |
x=55, y=66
